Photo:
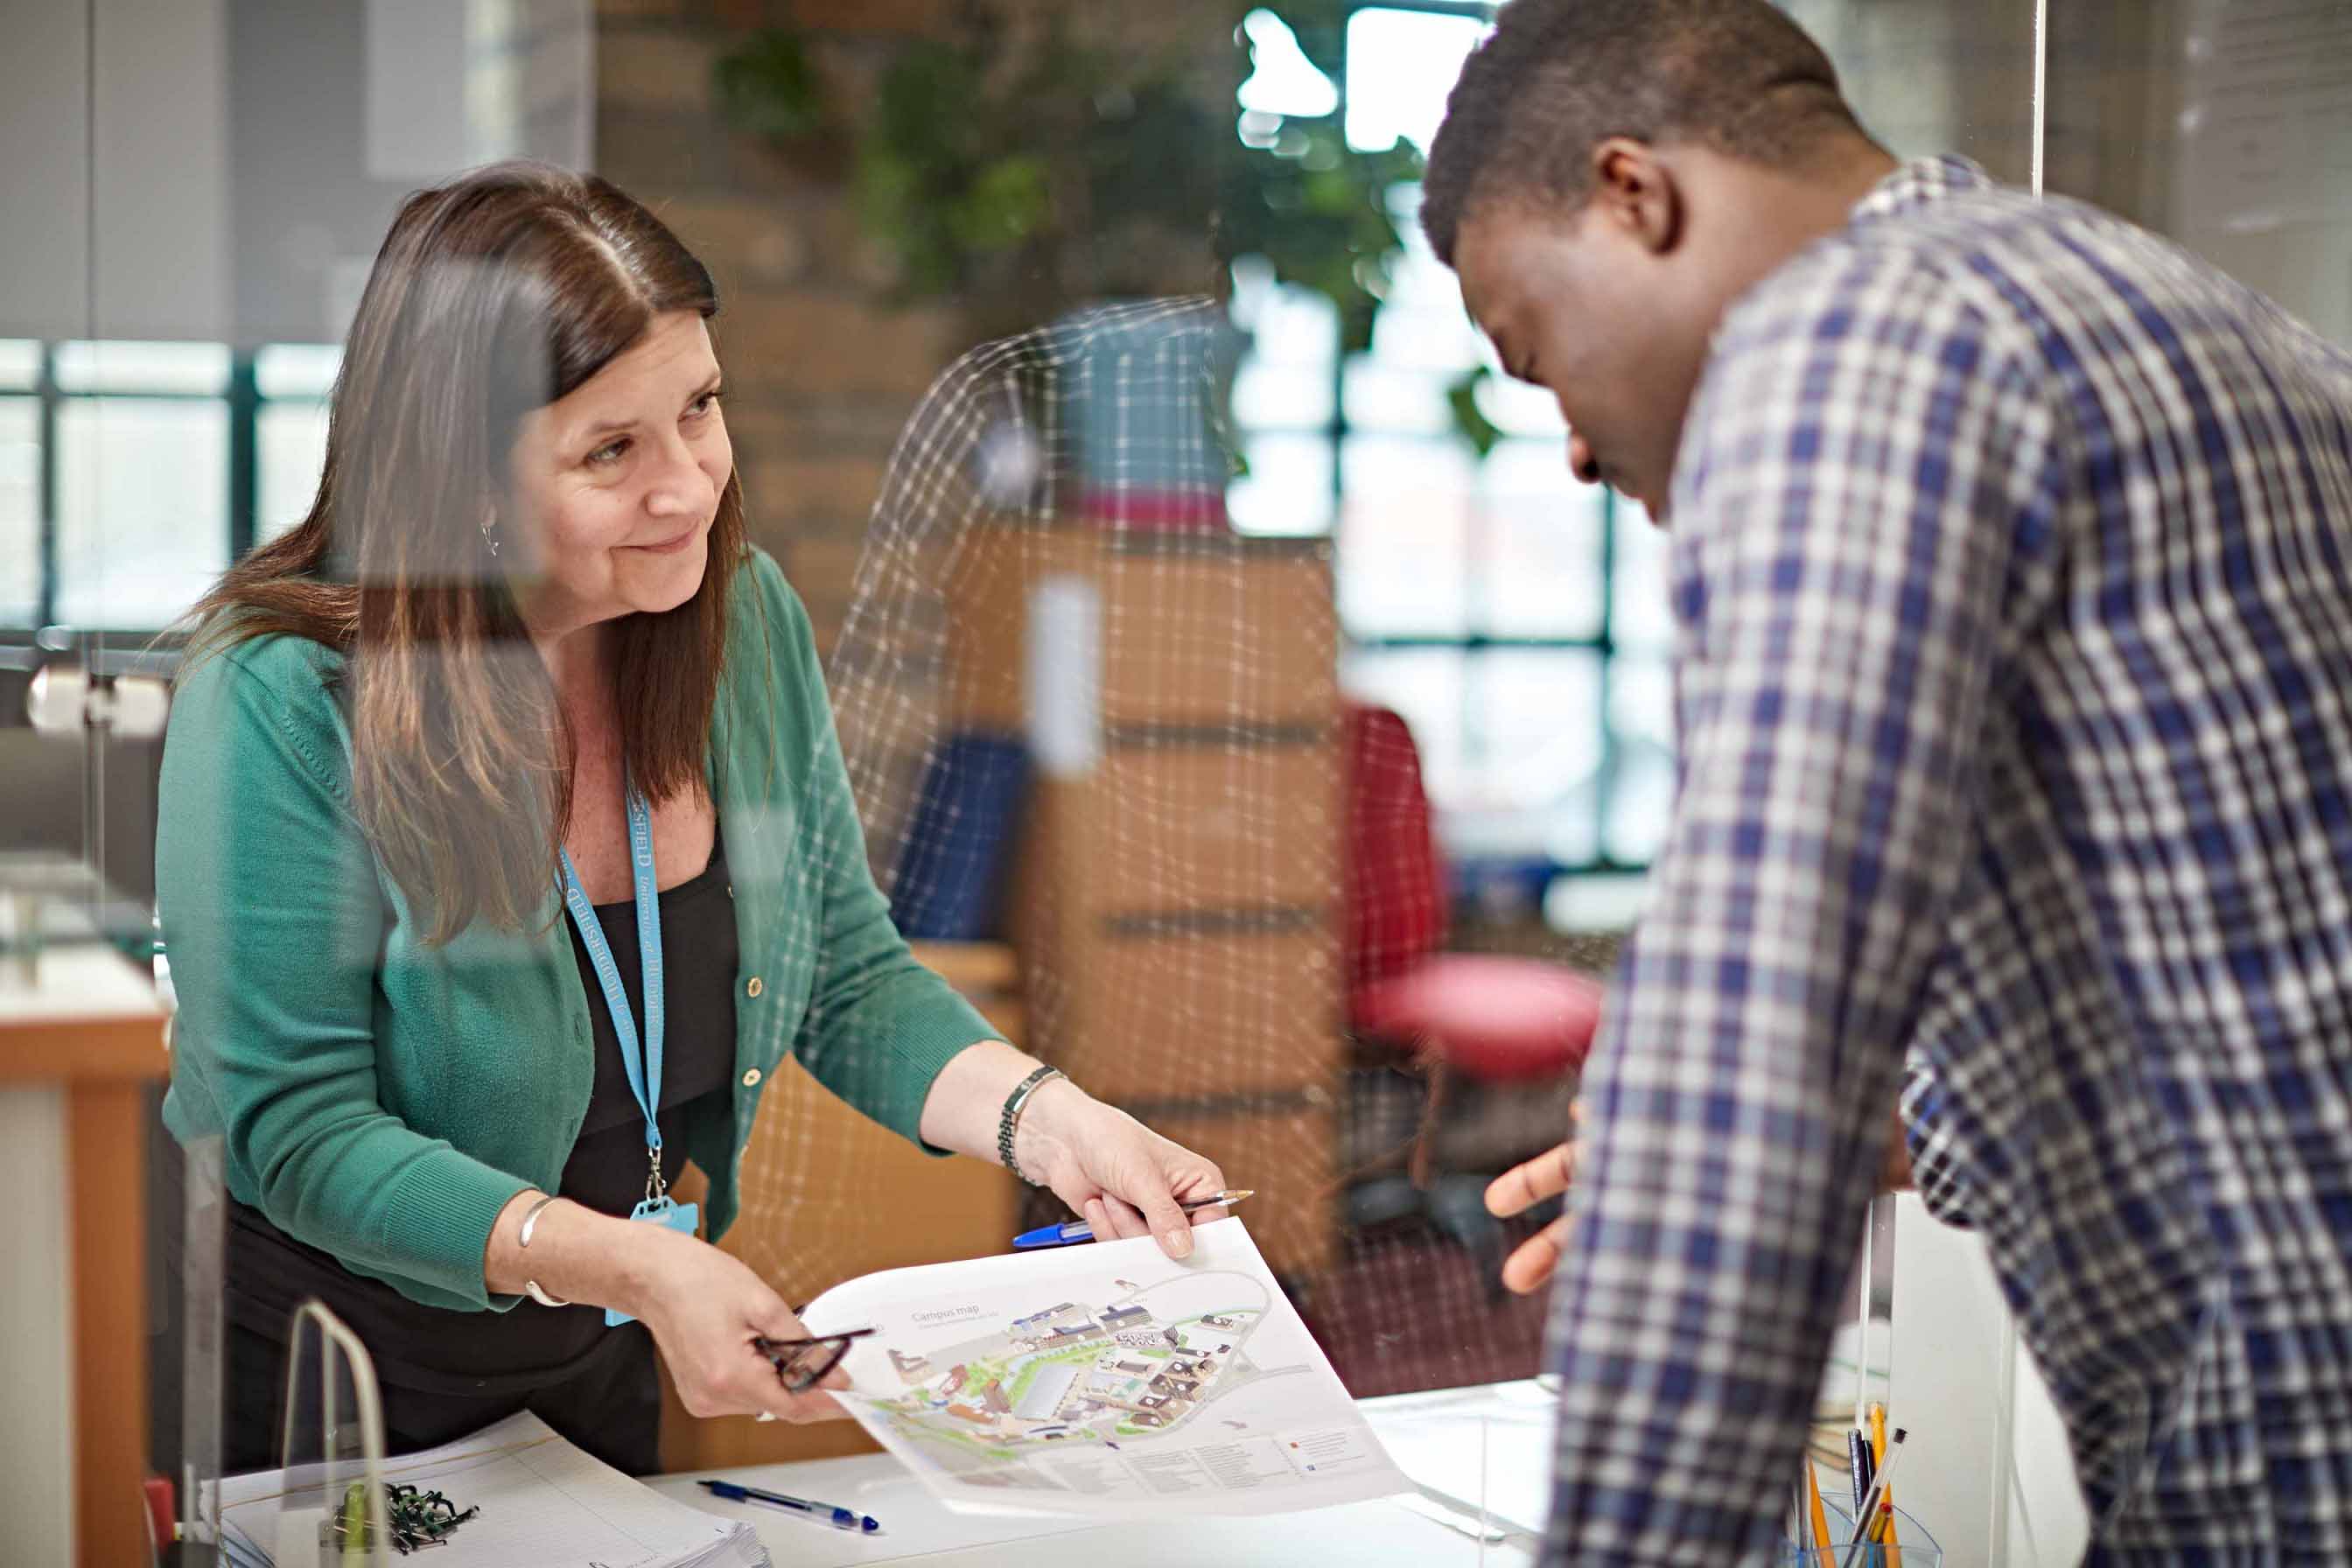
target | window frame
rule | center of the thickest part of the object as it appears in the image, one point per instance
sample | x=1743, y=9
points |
x=1603, y=642
x=23, y=645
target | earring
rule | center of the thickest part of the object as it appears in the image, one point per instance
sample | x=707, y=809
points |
x=489, y=536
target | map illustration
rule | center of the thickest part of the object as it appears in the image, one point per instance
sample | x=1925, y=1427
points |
x=1145, y=1363
x=1105, y=1380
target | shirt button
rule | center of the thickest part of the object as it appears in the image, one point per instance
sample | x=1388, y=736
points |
x=751, y=1078
x=754, y=987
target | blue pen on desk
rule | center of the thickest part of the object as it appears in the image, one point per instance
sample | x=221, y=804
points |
x=822, y=1512
x=1079, y=1230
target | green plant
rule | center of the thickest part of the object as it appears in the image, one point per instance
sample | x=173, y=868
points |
x=1319, y=211
x=769, y=88
x=1461, y=397
x=1021, y=172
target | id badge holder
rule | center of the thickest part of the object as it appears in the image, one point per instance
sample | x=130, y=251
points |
x=678, y=1216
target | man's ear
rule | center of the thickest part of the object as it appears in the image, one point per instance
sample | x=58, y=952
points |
x=1636, y=193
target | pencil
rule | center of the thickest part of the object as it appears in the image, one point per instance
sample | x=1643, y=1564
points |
x=1866, y=1516
x=1878, y=1455
x=1821, y=1541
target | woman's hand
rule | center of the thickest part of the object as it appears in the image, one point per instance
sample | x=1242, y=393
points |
x=1123, y=1177
x=1520, y=1189
x=1126, y=1179
x=705, y=1307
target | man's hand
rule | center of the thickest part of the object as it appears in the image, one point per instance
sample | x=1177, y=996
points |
x=1520, y=1189
x=1894, y=1168
x=1548, y=1175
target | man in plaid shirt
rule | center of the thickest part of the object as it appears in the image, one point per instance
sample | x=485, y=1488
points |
x=2012, y=569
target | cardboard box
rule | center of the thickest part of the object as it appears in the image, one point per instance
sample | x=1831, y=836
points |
x=1199, y=630
x=1184, y=826
x=1227, y=1007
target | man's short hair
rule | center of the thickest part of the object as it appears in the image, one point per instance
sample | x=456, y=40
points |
x=1556, y=77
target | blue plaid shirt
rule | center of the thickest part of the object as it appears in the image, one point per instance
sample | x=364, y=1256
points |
x=2012, y=570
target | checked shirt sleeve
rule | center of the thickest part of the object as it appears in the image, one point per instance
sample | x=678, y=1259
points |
x=1927, y=1140
x=1863, y=468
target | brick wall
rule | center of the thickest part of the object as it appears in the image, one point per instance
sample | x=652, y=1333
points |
x=823, y=370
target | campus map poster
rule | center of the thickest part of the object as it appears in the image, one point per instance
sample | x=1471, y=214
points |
x=1106, y=1380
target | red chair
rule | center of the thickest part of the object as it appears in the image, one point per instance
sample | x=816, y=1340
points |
x=1494, y=1019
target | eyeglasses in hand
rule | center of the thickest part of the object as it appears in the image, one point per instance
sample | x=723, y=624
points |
x=802, y=1364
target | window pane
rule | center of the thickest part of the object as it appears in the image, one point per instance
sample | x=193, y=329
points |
x=1435, y=338
x=1427, y=686
x=1596, y=901
x=1536, y=741
x=1268, y=394
x=1642, y=797
x=1422, y=321
x=1378, y=396
x=1540, y=572
x=1401, y=66
x=111, y=366
x=1510, y=739
x=1282, y=80
x=1289, y=325
x=297, y=370
x=142, y=505
x=290, y=448
x=1517, y=408
x=20, y=361
x=1288, y=490
x=1404, y=521
x=1640, y=806
x=1642, y=700
x=1641, y=607
x=20, y=509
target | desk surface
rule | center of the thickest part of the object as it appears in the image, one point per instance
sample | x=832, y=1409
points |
x=89, y=1015
x=1453, y=1443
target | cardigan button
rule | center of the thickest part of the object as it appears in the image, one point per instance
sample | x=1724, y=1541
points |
x=754, y=987
x=751, y=1077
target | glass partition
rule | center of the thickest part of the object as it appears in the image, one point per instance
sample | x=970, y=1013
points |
x=1066, y=349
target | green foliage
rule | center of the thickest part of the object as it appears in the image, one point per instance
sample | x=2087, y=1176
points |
x=1042, y=169
x=769, y=88
x=1318, y=209
x=1461, y=397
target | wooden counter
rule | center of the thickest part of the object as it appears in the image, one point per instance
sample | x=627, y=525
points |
x=78, y=1049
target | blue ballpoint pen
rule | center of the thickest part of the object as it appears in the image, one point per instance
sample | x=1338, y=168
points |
x=822, y=1512
x=1079, y=1230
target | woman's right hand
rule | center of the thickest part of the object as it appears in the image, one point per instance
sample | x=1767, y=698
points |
x=705, y=1307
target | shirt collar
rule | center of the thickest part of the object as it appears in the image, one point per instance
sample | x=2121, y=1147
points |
x=1918, y=183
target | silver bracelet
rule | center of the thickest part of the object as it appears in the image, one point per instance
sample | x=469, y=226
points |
x=1010, y=1119
x=522, y=1240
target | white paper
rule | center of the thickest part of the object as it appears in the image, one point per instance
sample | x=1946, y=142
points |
x=1107, y=1381
x=543, y=1503
x=1062, y=665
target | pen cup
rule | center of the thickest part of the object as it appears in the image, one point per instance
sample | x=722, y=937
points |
x=1913, y=1547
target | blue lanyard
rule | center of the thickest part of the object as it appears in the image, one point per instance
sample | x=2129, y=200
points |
x=645, y=1074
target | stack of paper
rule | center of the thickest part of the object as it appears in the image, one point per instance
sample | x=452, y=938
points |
x=543, y=1503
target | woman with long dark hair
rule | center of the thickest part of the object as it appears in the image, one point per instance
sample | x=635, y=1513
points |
x=506, y=849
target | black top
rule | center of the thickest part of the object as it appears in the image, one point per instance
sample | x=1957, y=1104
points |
x=428, y=1348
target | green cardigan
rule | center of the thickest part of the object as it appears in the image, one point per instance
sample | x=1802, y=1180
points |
x=383, y=1100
